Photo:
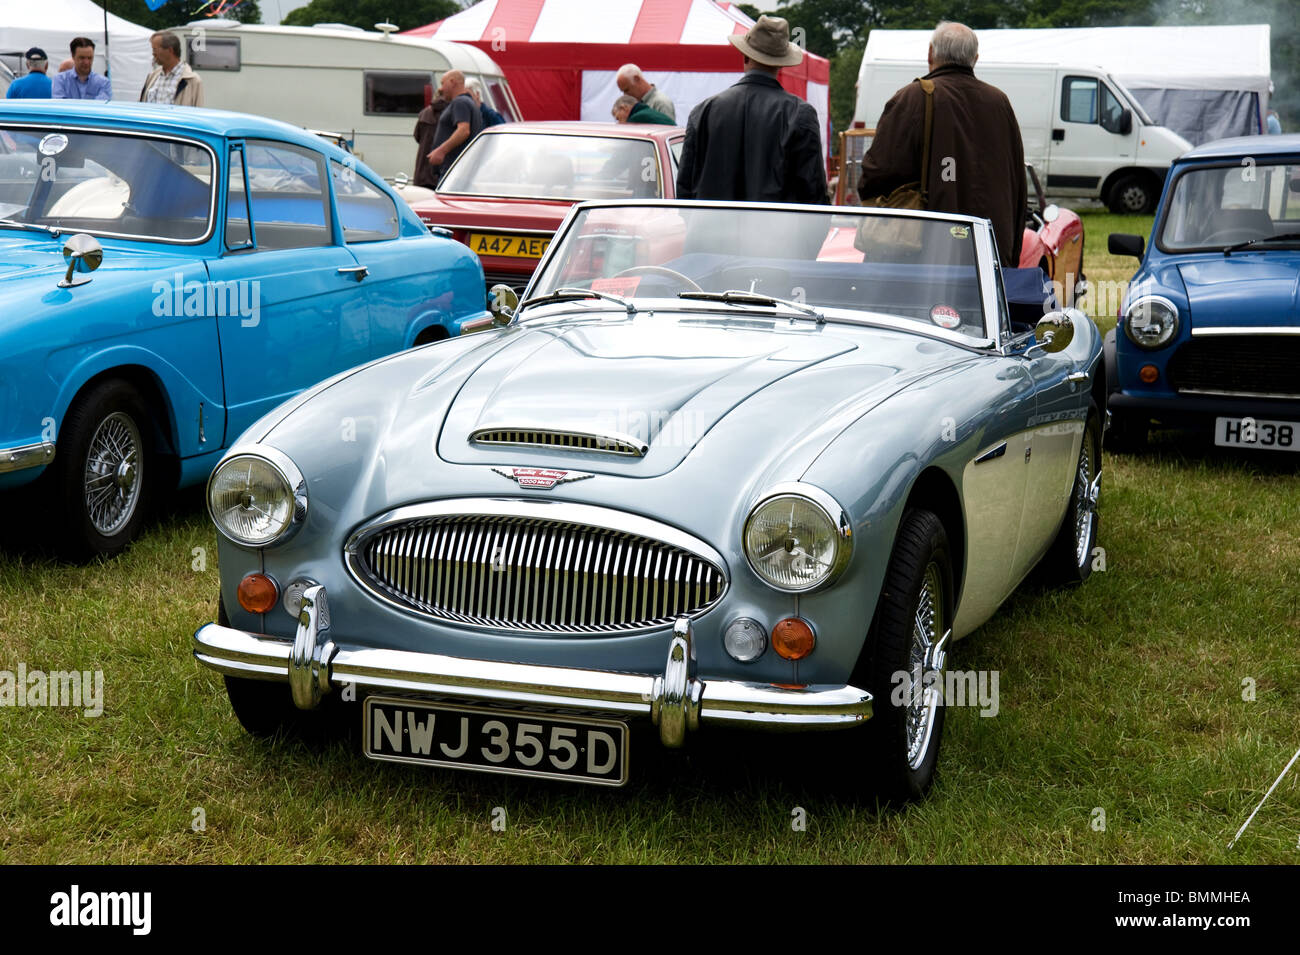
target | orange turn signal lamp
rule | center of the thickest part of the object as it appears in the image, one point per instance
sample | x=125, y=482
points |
x=793, y=638
x=258, y=593
x=1150, y=374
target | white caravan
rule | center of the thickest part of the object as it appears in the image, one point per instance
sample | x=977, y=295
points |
x=1083, y=131
x=367, y=86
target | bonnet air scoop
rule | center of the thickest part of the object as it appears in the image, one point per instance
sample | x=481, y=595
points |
x=617, y=444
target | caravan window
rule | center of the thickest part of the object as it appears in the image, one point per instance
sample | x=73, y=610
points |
x=212, y=53
x=390, y=92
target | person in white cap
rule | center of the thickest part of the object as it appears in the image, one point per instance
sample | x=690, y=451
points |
x=754, y=141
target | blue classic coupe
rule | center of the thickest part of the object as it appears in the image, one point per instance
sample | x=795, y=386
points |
x=1209, y=329
x=727, y=464
x=167, y=276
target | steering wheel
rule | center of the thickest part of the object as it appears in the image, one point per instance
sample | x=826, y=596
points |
x=659, y=270
x=1231, y=235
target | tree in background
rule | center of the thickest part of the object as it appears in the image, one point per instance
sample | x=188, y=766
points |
x=179, y=12
x=407, y=14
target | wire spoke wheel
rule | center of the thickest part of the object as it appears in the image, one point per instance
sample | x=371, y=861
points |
x=927, y=658
x=113, y=472
x=1086, y=489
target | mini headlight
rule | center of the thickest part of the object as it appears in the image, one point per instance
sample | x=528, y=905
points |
x=1151, y=322
x=798, y=538
x=745, y=639
x=258, y=498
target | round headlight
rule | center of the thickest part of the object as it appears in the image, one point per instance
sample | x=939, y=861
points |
x=257, y=499
x=1151, y=322
x=797, y=540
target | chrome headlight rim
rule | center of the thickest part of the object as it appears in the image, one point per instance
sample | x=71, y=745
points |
x=1172, y=328
x=293, y=479
x=836, y=516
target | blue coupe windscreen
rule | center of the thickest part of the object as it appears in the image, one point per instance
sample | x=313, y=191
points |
x=103, y=183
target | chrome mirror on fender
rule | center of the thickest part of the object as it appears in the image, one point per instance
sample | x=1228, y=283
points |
x=1052, y=213
x=83, y=253
x=502, y=303
x=1054, y=332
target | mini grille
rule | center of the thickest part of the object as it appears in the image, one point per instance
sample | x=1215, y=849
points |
x=1232, y=364
x=560, y=439
x=536, y=575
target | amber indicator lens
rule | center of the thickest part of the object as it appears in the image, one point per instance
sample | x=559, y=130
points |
x=258, y=593
x=1150, y=374
x=793, y=638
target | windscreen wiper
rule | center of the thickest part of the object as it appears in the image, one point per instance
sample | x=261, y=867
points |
x=51, y=230
x=567, y=294
x=737, y=297
x=1284, y=237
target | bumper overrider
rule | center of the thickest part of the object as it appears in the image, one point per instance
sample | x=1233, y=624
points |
x=675, y=700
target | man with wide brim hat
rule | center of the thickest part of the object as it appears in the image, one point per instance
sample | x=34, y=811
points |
x=754, y=141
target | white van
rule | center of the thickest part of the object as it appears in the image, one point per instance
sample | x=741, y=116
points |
x=1083, y=131
x=367, y=86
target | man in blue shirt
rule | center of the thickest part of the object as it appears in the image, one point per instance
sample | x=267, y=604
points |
x=35, y=85
x=81, y=82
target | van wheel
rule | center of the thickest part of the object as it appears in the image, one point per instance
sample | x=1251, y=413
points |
x=1132, y=195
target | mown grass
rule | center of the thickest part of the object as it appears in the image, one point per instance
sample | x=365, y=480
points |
x=1124, y=695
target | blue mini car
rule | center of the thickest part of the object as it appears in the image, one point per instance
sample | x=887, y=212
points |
x=168, y=276
x=1209, y=328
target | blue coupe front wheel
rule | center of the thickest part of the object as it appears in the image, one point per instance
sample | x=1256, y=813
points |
x=102, y=480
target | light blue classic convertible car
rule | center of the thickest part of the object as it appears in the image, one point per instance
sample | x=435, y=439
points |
x=167, y=276
x=726, y=465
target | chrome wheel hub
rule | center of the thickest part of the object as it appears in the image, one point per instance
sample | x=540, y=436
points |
x=928, y=661
x=112, y=475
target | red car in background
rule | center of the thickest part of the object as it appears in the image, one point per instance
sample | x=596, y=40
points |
x=1054, y=242
x=510, y=189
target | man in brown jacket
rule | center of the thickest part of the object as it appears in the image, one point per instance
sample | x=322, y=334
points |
x=977, y=160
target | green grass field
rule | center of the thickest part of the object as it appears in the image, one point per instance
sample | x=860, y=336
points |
x=1124, y=696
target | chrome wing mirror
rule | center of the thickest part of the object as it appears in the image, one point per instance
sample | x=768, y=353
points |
x=83, y=253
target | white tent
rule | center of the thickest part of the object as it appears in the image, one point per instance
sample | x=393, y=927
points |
x=51, y=25
x=1203, y=82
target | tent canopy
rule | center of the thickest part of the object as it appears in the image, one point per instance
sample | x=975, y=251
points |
x=561, y=56
x=1203, y=82
x=51, y=25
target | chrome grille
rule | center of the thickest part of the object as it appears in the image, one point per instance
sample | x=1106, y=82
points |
x=513, y=572
x=573, y=440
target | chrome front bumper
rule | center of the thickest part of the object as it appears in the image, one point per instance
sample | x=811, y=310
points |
x=675, y=700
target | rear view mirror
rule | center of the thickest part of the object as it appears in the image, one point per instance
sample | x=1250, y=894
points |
x=1052, y=213
x=1121, y=243
x=1126, y=122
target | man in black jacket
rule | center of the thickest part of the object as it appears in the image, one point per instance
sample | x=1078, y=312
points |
x=754, y=141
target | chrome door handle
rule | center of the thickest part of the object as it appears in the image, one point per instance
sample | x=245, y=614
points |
x=360, y=271
x=1077, y=376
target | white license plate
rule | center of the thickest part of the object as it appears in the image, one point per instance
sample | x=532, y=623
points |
x=582, y=749
x=1257, y=433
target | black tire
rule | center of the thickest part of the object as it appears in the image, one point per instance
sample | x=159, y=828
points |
x=104, y=480
x=1068, y=562
x=903, y=737
x=1127, y=433
x=1134, y=194
x=265, y=707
